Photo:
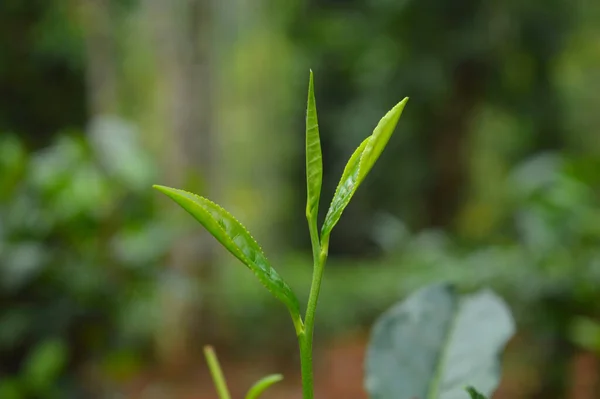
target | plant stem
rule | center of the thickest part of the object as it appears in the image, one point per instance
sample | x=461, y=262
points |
x=305, y=339
x=306, y=367
x=314, y=238
x=217, y=374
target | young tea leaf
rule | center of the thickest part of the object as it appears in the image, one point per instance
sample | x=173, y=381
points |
x=435, y=343
x=345, y=190
x=237, y=240
x=216, y=372
x=474, y=394
x=261, y=385
x=359, y=165
x=314, y=159
x=379, y=139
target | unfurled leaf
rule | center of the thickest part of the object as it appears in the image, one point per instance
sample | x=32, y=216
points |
x=474, y=393
x=237, y=240
x=437, y=342
x=345, y=190
x=379, y=139
x=359, y=165
x=314, y=160
x=262, y=384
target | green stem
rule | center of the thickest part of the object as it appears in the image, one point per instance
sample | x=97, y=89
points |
x=314, y=237
x=306, y=367
x=305, y=339
x=217, y=374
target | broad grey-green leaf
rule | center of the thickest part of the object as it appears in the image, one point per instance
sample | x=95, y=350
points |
x=359, y=165
x=474, y=393
x=261, y=385
x=237, y=240
x=314, y=159
x=345, y=190
x=435, y=343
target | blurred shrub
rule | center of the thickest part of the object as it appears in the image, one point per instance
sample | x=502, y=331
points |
x=79, y=248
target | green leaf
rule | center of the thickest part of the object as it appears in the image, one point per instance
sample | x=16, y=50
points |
x=261, y=385
x=216, y=372
x=475, y=394
x=345, y=190
x=435, y=343
x=379, y=139
x=237, y=240
x=44, y=365
x=359, y=165
x=314, y=159
x=12, y=388
x=585, y=332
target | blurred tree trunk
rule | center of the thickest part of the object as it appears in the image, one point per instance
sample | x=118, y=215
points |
x=254, y=99
x=97, y=24
x=181, y=99
x=448, y=148
x=182, y=36
x=163, y=82
x=256, y=82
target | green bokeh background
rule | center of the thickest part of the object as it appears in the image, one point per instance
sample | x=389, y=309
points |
x=492, y=179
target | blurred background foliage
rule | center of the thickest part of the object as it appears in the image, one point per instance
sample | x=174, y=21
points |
x=493, y=178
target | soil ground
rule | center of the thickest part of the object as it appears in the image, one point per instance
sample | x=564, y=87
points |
x=339, y=375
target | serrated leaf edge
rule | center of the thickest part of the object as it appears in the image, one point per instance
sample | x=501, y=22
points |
x=238, y=253
x=397, y=109
x=345, y=174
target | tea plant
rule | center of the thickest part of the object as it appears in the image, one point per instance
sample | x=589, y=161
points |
x=436, y=313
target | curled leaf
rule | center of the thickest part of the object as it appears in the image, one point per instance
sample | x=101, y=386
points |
x=314, y=159
x=216, y=372
x=237, y=240
x=261, y=385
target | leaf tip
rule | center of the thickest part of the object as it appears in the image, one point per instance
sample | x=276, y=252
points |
x=475, y=394
x=162, y=189
x=402, y=103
